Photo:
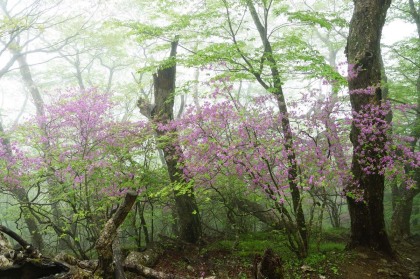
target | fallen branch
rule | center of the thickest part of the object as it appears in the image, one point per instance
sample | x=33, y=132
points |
x=267, y=216
x=149, y=272
x=26, y=262
x=29, y=249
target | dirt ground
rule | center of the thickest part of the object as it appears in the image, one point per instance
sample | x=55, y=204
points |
x=368, y=264
x=356, y=264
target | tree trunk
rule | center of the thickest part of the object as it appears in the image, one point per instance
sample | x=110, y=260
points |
x=27, y=247
x=277, y=90
x=109, y=233
x=364, y=56
x=403, y=207
x=143, y=224
x=334, y=213
x=26, y=74
x=162, y=113
x=117, y=257
x=400, y=222
x=30, y=84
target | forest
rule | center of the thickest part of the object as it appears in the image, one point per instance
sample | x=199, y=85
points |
x=264, y=139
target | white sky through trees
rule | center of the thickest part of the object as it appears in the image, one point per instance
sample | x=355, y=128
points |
x=12, y=91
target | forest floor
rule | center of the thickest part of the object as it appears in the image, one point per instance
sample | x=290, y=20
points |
x=328, y=259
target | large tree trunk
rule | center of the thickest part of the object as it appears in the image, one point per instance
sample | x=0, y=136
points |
x=186, y=207
x=364, y=58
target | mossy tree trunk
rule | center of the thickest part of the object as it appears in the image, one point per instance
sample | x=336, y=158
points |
x=162, y=113
x=364, y=58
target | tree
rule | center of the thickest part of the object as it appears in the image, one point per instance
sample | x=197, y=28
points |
x=161, y=115
x=228, y=145
x=277, y=90
x=10, y=160
x=369, y=127
x=18, y=22
x=26, y=26
x=231, y=49
x=89, y=165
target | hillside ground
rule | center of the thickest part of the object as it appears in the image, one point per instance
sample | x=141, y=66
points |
x=233, y=258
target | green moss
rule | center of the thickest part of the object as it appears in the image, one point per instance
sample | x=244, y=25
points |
x=250, y=244
x=224, y=245
x=326, y=260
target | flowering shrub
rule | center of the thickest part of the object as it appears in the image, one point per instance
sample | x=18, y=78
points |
x=226, y=138
x=79, y=156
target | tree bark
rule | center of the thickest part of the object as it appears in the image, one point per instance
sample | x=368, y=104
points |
x=400, y=222
x=401, y=215
x=117, y=257
x=364, y=56
x=109, y=233
x=162, y=113
x=29, y=249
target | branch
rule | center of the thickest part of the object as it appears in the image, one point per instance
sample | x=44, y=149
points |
x=405, y=58
x=149, y=272
x=9, y=64
x=232, y=33
x=28, y=247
